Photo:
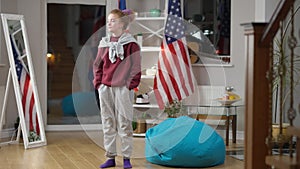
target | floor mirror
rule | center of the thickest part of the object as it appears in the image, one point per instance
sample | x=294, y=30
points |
x=22, y=75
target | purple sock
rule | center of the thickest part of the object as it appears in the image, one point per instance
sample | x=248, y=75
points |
x=108, y=163
x=127, y=163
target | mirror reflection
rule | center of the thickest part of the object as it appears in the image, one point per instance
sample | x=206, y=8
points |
x=15, y=31
x=70, y=92
x=17, y=41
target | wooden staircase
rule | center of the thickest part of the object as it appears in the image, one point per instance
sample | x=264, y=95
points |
x=61, y=72
x=260, y=77
x=281, y=161
x=287, y=162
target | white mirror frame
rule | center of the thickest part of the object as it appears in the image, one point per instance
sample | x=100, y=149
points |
x=34, y=138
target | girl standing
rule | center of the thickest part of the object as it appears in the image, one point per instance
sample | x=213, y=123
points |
x=117, y=70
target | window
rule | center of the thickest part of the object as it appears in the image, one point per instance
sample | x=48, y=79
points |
x=212, y=17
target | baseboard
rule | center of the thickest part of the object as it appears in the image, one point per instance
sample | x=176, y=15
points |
x=7, y=133
x=75, y=127
x=91, y=127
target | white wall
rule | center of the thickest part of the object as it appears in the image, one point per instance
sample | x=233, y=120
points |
x=260, y=10
x=243, y=11
x=11, y=108
x=269, y=8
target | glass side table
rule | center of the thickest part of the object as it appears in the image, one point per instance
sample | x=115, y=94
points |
x=217, y=112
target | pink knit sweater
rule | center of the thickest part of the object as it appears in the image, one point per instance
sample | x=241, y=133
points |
x=126, y=72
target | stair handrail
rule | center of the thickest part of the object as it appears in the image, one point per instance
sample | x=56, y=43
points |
x=272, y=27
x=271, y=30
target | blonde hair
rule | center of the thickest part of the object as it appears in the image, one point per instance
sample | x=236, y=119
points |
x=126, y=16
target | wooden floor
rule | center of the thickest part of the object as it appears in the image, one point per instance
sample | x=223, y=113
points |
x=75, y=150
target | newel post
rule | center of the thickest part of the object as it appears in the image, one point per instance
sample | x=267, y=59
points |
x=256, y=96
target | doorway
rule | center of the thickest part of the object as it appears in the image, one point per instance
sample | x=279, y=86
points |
x=69, y=27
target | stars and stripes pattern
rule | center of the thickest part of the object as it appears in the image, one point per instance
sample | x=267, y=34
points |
x=28, y=103
x=122, y=4
x=174, y=79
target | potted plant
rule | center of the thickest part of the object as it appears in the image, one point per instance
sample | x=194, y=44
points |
x=173, y=109
x=33, y=136
x=139, y=125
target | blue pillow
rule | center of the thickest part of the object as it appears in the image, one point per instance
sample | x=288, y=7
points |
x=80, y=104
x=68, y=106
x=184, y=142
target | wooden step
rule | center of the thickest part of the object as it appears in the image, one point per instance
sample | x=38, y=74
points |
x=58, y=83
x=282, y=162
x=58, y=95
x=63, y=71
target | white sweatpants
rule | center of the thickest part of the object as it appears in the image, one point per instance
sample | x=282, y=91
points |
x=116, y=115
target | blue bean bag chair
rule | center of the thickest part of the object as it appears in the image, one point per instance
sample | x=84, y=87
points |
x=184, y=142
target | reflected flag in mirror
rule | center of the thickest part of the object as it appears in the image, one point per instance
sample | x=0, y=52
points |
x=28, y=102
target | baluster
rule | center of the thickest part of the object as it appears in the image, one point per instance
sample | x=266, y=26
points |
x=281, y=76
x=270, y=77
x=291, y=111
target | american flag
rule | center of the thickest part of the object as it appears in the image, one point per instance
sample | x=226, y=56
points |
x=122, y=4
x=28, y=103
x=174, y=78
